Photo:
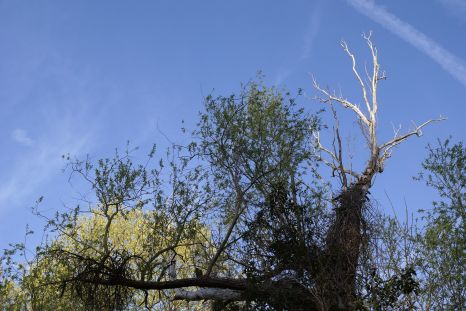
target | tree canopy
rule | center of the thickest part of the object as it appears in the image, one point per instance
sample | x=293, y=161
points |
x=243, y=219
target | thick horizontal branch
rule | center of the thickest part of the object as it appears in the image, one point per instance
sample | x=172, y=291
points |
x=207, y=282
x=209, y=294
x=211, y=288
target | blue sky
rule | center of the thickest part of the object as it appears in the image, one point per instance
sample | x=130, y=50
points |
x=84, y=77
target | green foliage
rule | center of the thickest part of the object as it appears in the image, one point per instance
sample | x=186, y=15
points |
x=242, y=202
x=143, y=217
x=388, y=271
x=385, y=294
x=260, y=135
x=444, y=240
x=421, y=265
x=132, y=228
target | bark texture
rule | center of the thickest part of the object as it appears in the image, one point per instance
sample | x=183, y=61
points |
x=343, y=247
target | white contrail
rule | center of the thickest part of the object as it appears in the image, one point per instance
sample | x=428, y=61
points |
x=449, y=62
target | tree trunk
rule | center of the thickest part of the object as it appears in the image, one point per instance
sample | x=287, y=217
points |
x=339, y=261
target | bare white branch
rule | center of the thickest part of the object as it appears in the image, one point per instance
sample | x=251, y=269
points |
x=320, y=147
x=344, y=102
x=375, y=75
x=367, y=122
x=417, y=131
x=356, y=73
x=386, y=147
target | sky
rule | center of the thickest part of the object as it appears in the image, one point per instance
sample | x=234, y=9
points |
x=84, y=77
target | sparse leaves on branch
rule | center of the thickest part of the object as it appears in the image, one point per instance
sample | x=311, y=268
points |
x=239, y=219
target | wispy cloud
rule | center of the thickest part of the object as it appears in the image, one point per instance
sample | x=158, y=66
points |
x=456, y=8
x=452, y=64
x=311, y=32
x=20, y=136
x=309, y=37
x=60, y=122
x=41, y=163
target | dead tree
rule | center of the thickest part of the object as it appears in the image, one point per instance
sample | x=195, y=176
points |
x=337, y=282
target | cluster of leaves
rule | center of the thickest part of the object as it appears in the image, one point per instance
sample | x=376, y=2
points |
x=133, y=229
x=385, y=294
x=260, y=146
x=141, y=219
x=420, y=265
x=260, y=135
x=443, y=242
x=242, y=202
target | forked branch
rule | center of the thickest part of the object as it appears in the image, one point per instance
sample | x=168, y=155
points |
x=332, y=97
x=386, y=147
x=368, y=121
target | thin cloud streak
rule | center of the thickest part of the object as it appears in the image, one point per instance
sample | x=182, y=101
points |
x=39, y=166
x=59, y=131
x=456, y=8
x=452, y=64
x=311, y=33
x=20, y=136
x=309, y=37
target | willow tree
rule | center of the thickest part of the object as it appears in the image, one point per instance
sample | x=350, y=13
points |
x=250, y=190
